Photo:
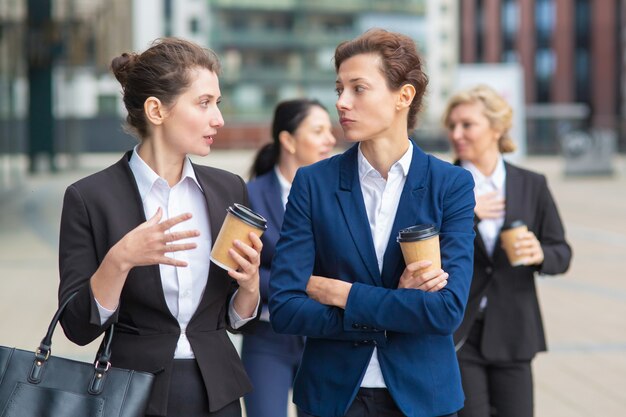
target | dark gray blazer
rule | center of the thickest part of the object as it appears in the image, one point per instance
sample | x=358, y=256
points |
x=97, y=212
x=513, y=329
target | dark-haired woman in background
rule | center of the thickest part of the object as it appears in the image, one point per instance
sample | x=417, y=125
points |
x=136, y=237
x=302, y=135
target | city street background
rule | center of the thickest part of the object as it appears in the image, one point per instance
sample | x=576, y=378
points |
x=584, y=310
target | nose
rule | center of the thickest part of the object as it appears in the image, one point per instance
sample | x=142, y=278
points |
x=455, y=132
x=342, y=102
x=331, y=138
x=217, y=120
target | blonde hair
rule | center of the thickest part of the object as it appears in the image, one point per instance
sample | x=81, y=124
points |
x=495, y=109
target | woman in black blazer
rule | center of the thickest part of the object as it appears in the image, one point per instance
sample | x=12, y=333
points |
x=502, y=329
x=302, y=135
x=135, y=241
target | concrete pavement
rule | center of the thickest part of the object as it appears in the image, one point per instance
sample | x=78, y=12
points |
x=584, y=311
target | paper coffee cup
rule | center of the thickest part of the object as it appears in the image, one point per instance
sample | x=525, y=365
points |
x=420, y=243
x=238, y=223
x=508, y=237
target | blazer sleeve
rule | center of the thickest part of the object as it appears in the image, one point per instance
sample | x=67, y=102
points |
x=234, y=286
x=551, y=234
x=291, y=310
x=78, y=261
x=416, y=311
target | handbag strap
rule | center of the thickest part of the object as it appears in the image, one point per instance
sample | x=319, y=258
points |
x=103, y=357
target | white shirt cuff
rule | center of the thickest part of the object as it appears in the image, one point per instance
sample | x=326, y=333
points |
x=105, y=313
x=235, y=320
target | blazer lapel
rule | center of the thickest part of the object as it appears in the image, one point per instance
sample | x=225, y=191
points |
x=273, y=201
x=512, y=204
x=151, y=273
x=407, y=214
x=351, y=201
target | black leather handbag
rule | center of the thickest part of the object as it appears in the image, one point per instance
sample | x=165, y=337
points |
x=35, y=384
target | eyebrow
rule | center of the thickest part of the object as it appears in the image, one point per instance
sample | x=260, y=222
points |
x=352, y=80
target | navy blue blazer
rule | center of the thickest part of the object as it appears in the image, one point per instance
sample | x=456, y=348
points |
x=326, y=232
x=265, y=199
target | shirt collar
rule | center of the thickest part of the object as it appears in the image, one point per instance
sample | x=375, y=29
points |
x=282, y=181
x=146, y=177
x=404, y=163
x=497, y=177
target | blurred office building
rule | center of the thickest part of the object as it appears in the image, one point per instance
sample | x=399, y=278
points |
x=572, y=55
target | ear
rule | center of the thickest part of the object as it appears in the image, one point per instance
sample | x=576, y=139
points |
x=287, y=141
x=154, y=109
x=405, y=96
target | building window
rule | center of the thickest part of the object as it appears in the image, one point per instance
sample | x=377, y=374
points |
x=582, y=59
x=107, y=104
x=510, y=25
x=194, y=26
x=480, y=30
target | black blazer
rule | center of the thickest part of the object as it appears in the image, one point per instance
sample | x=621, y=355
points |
x=513, y=329
x=97, y=212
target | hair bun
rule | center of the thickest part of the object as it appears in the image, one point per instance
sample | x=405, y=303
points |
x=121, y=66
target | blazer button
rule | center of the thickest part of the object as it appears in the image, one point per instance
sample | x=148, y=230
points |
x=356, y=344
x=365, y=327
x=489, y=270
x=356, y=325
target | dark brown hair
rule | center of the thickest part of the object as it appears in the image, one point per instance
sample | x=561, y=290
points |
x=162, y=71
x=401, y=64
x=288, y=116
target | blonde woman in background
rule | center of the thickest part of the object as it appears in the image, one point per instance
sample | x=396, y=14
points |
x=502, y=329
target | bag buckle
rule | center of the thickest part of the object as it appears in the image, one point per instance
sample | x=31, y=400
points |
x=39, y=354
x=100, y=368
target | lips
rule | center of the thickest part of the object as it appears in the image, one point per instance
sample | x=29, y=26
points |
x=208, y=139
x=345, y=120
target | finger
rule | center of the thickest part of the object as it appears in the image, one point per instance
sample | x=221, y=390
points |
x=167, y=224
x=433, y=282
x=179, y=247
x=243, y=263
x=257, y=243
x=173, y=236
x=439, y=286
x=156, y=218
x=251, y=253
x=166, y=260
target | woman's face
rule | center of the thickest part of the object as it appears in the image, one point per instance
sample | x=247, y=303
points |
x=191, y=124
x=470, y=132
x=366, y=106
x=313, y=139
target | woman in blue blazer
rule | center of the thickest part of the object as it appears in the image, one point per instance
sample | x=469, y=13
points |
x=301, y=132
x=379, y=332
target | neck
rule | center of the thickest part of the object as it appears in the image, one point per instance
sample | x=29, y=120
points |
x=167, y=165
x=487, y=163
x=382, y=153
x=288, y=166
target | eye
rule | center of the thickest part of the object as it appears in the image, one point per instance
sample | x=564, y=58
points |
x=204, y=103
x=359, y=88
x=338, y=91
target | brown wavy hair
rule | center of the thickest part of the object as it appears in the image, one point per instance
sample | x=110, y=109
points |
x=401, y=63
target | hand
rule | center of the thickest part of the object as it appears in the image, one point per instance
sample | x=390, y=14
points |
x=329, y=291
x=528, y=246
x=148, y=243
x=247, y=275
x=415, y=277
x=489, y=206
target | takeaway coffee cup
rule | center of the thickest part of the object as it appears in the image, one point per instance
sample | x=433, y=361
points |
x=508, y=237
x=420, y=243
x=239, y=222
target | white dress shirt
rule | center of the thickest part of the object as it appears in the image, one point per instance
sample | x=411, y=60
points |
x=183, y=286
x=285, y=186
x=381, y=198
x=489, y=228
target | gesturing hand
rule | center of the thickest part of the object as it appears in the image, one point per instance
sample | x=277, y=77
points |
x=148, y=243
x=489, y=206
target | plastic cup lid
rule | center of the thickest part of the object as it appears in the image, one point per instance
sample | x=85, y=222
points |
x=418, y=232
x=248, y=216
